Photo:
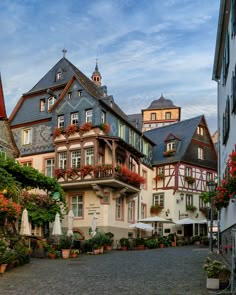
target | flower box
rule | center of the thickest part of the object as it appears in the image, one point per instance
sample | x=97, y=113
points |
x=156, y=209
x=191, y=208
x=168, y=153
x=105, y=127
x=189, y=179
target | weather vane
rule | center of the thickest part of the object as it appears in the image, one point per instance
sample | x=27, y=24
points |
x=64, y=52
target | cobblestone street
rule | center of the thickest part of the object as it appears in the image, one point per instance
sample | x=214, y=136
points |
x=168, y=271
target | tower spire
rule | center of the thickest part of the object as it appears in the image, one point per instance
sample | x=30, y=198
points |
x=96, y=76
x=3, y=114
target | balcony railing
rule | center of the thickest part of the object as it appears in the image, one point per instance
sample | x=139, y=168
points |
x=100, y=172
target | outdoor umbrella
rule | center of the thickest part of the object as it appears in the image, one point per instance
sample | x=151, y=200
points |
x=25, y=226
x=57, y=226
x=141, y=225
x=156, y=219
x=94, y=224
x=70, y=223
x=202, y=221
x=185, y=221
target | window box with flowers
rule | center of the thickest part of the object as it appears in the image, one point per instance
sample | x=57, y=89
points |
x=71, y=129
x=103, y=170
x=59, y=173
x=189, y=179
x=156, y=209
x=72, y=172
x=168, y=153
x=191, y=208
x=85, y=170
x=87, y=126
x=129, y=176
x=159, y=177
x=106, y=128
x=57, y=132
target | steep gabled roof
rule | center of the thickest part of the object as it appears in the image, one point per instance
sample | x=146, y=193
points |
x=3, y=114
x=182, y=131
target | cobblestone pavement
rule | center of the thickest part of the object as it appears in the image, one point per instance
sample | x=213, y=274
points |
x=168, y=271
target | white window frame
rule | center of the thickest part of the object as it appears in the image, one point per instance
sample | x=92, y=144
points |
x=153, y=116
x=170, y=146
x=200, y=153
x=51, y=101
x=49, y=167
x=159, y=199
x=89, y=115
x=27, y=136
x=76, y=159
x=62, y=159
x=200, y=130
x=131, y=211
x=121, y=130
x=59, y=75
x=89, y=156
x=188, y=171
x=168, y=115
x=119, y=208
x=189, y=200
x=143, y=210
x=103, y=117
x=74, y=118
x=60, y=121
x=77, y=204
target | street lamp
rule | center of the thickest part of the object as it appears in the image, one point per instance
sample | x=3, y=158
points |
x=211, y=188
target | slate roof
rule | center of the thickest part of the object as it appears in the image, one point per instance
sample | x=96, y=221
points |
x=161, y=103
x=183, y=130
x=136, y=120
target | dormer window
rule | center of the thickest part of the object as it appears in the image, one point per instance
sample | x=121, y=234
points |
x=153, y=116
x=170, y=146
x=51, y=102
x=59, y=75
x=69, y=95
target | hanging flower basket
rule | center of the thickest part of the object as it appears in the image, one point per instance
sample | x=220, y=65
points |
x=189, y=179
x=168, y=153
x=106, y=128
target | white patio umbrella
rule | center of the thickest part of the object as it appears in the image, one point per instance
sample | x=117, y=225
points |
x=156, y=219
x=202, y=221
x=56, y=231
x=25, y=226
x=185, y=221
x=70, y=223
x=94, y=224
x=141, y=225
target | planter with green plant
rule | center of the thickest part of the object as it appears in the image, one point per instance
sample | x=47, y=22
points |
x=124, y=243
x=65, y=245
x=140, y=243
x=216, y=272
x=162, y=241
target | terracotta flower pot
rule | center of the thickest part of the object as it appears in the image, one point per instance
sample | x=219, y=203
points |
x=52, y=255
x=3, y=268
x=65, y=253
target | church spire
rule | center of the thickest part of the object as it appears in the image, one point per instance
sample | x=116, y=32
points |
x=96, y=76
x=3, y=114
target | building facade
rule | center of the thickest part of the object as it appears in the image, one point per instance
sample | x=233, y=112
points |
x=68, y=127
x=224, y=73
x=184, y=160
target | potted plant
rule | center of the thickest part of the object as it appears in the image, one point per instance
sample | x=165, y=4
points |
x=106, y=128
x=172, y=239
x=52, y=253
x=109, y=240
x=74, y=253
x=162, y=241
x=65, y=245
x=139, y=242
x=189, y=179
x=215, y=271
x=124, y=243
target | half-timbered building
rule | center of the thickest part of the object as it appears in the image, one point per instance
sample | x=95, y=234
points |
x=68, y=127
x=184, y=160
